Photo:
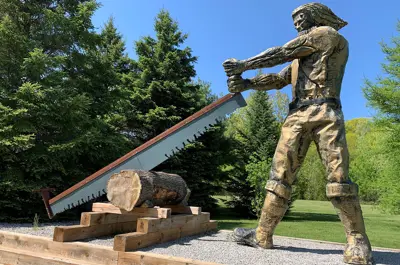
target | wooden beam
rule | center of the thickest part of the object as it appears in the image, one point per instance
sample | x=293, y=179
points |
x=149, y=225
x=185, y=227
x=178, y=221
x=204, y=217
x=146, y=258
x=144, y=212
x=184, y=209
x=77, y=232
x=24, y=249
x=84, y=252
x=18, y=256
x=97, y=218
x=137, y=240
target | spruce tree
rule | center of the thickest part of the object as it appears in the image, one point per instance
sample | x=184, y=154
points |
x=165, y=93
x=256, y=132
x=59, y=95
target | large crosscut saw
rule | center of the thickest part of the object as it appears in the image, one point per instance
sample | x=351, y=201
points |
x=147, y=156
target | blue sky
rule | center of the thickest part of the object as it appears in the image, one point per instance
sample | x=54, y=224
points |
x=221, y=29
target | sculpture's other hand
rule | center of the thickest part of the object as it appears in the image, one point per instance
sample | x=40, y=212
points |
x=233, y=66
x=237, y=84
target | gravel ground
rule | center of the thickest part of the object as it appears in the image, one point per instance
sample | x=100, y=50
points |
x=214, y=247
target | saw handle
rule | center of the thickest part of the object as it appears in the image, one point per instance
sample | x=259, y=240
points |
x=45, y=192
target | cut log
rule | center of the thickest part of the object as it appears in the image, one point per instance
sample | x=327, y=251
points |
x=135, y=188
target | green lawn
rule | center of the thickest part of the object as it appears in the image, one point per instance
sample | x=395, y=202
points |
x=318, y=220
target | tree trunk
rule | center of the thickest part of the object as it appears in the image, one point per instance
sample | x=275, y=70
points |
x=135, y=188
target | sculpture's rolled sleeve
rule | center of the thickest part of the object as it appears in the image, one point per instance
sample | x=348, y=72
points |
x=321, y=39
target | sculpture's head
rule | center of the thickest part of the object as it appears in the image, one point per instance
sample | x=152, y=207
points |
x=315, y=15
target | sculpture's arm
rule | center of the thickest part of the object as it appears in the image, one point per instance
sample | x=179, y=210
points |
x=295, y=49
x=261, y=82
x=272, y=81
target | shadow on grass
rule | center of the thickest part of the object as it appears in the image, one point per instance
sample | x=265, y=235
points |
x=230, y=225
x=318, y=217
x=229, y=215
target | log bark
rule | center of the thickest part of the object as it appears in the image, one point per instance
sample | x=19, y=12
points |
x=135, y=188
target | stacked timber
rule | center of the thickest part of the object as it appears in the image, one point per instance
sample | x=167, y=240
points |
x=146, y=208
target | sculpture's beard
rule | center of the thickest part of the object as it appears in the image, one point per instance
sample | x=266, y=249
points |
x=306, y=31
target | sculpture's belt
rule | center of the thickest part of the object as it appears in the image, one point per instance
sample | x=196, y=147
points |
x=297, y=104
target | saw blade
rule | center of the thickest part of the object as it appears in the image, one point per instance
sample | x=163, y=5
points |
x=148, y=155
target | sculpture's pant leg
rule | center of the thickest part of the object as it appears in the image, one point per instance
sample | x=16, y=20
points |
x=275, y=206
x=330, y=138
x=345, y=200
x=331, y=143
x=292, y=148
x=289, y=155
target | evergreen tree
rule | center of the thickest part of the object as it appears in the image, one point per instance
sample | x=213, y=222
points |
x=58, y=100
x=280, y=104
x=256, y=137
x=166, y=93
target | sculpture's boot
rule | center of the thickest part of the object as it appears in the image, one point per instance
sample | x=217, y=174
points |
x=275, y=206
x=345, y=200
x=271, y=214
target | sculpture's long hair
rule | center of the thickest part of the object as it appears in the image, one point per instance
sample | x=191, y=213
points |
x=322, y=15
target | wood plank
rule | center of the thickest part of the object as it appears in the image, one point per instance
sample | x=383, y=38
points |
x=145, y=212
x=204, y=217
x=149, y=225
x=145, y=258
x=87, y=254
x=77, y=232
x=184, y=209
x=132, y=241
x=96, y=218
x=137, y=240
x=210, y=226
x=170, y=234
x=192, y=227
x=178, y=221
x=18, y=256
x=46, y=246
x=185, y=227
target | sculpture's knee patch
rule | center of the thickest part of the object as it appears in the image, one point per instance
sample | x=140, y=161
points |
x=279, y=189
x=341, y=190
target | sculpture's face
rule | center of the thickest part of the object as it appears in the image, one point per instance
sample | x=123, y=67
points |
x=303, y=21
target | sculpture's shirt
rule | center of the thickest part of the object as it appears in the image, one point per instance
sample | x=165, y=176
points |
x=320, y=74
